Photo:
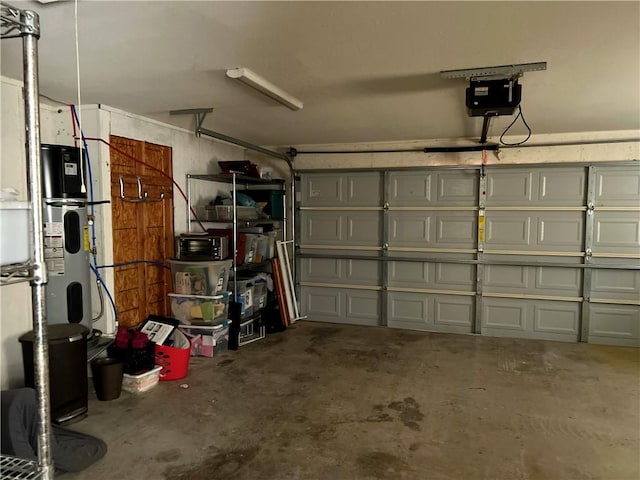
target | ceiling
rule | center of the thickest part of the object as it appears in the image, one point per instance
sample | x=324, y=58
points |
x=366, y=71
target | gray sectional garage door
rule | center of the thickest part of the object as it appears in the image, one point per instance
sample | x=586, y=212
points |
x=547, y=252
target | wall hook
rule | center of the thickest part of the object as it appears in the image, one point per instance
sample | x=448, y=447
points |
x=131, y=200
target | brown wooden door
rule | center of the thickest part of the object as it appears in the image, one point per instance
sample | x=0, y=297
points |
x=142, y=230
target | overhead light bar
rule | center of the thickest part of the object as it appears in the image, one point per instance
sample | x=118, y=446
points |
x=497, y=72
x=254, y=80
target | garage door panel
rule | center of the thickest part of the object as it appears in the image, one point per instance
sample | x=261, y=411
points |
x=561, y=187
x=364, y=189
x=321, y=270
x=457, y=188
x=544, y=187
x=410, y=274
x=452, y=311
x=614, y=324
x=364, y=228
x=509, y=187
x=410, y=229
x=437, y=188
x=504, y=314
x=506, y=230
x=455, y=276
x=322, y=228
x=616, y=284
x=617, y=232
x=561, y=230
x=562, y=281
x=409, y=310
x=416, y=229
x=410, y=188
x=353, y=307
x=362, y=306
x=431, y=312
x=321, y=303
x=456, y=229
x=526, y=280
x=323, y=189
x=341, y=228
x=617, y=186
x=339, y=189
x=531, y=231
x=534, y=319
x=557, y=318
x=342, y=271
x=509, y=278
x=435, y=276
x=362, y=272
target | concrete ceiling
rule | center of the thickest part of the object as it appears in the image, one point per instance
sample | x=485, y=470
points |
x=365, y=71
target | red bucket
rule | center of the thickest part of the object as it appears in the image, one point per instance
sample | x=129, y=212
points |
x=174, y=360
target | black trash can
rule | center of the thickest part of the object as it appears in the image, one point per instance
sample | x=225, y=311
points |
x=68, y=383
x=107, y=377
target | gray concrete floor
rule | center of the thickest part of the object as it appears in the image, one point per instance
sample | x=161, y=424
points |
x=323, y=401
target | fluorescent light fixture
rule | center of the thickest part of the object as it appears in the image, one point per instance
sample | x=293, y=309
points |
x=254, y=80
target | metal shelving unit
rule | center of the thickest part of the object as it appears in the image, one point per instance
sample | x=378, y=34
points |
x=25, y=24
x=14, y=468
x=241, y=182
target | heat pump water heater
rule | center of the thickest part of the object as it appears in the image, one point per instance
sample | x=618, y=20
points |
x=66, y=236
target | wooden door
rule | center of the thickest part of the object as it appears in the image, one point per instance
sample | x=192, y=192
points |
x=142, y=229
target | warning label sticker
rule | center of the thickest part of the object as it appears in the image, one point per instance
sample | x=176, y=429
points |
x=70, y=168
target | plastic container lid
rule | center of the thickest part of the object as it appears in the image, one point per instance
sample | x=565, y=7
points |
x=59, y=333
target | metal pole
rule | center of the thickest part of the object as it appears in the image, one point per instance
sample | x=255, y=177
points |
x=485, y=126
x=242, y=143
x=34, y=168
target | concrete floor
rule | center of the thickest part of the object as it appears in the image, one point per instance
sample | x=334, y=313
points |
x=333, y=402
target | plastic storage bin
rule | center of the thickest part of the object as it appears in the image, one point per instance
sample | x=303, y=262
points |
x=141, y=383
x=15, y=243
x=199, y=309
x=209, y=341
x=244, y=296
x=274, y=200
x=174, y=359
x=259, y=295
x=258, y=287
x=200, y=278
x=225, y=213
